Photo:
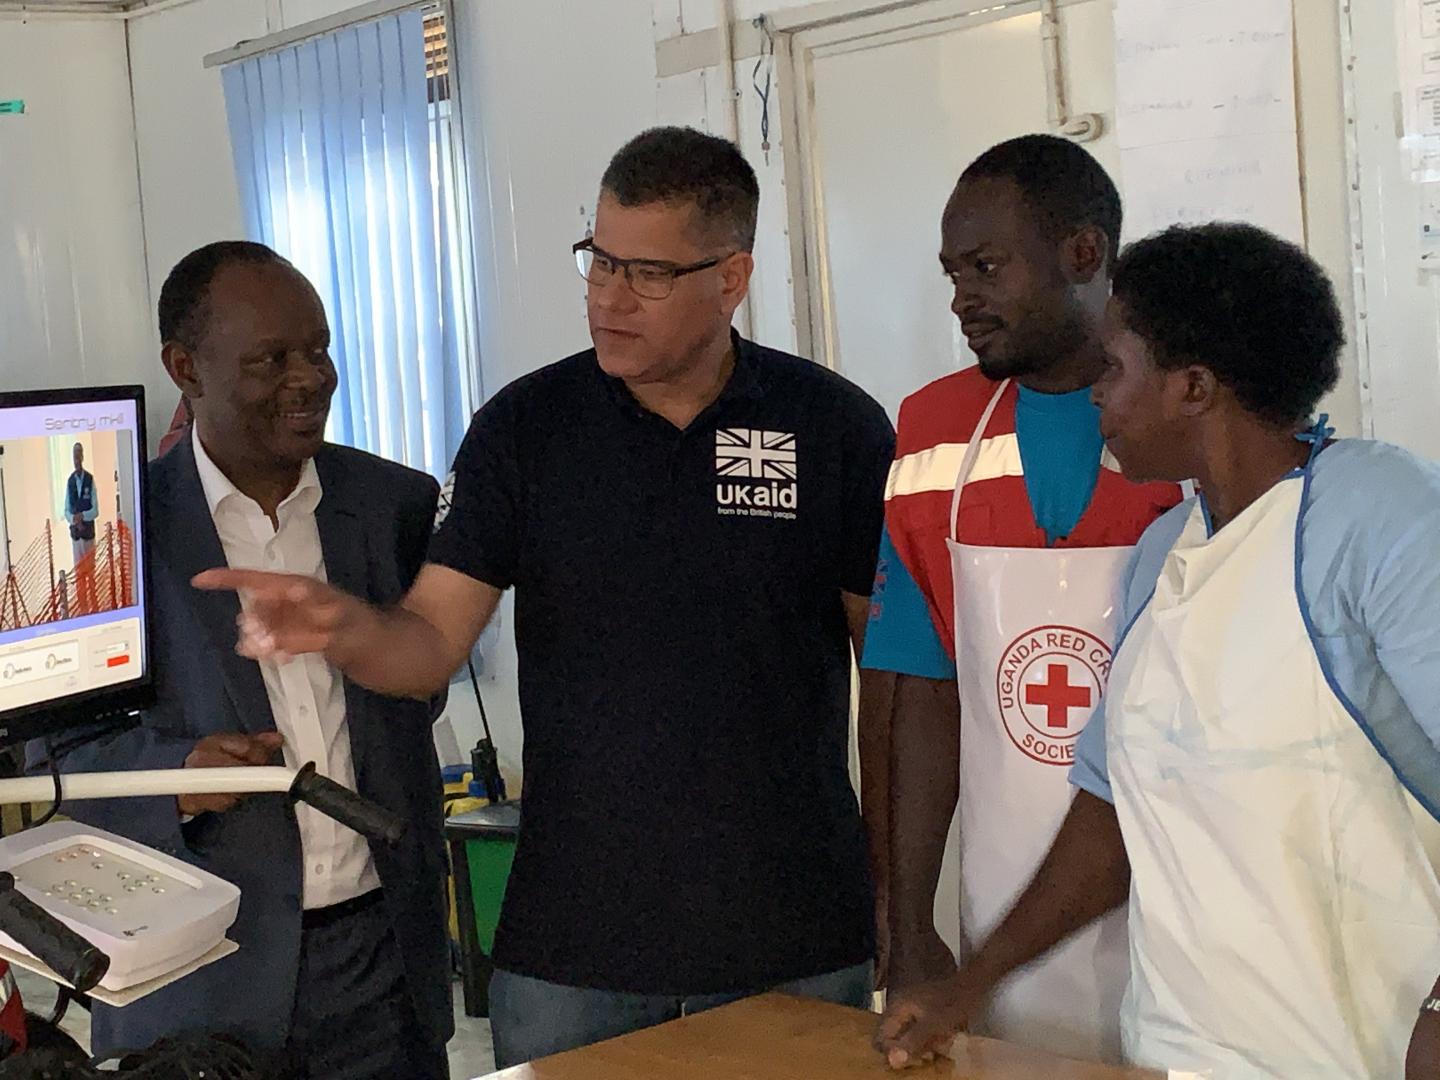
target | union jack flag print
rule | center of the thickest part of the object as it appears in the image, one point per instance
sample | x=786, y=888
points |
x=755, y=455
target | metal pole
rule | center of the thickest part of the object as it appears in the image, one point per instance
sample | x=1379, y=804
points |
x=5, y=595
x=1084, y=128
x=124, y=570
x=240, y=780
x=4, y=510
x=110, y=548
x=50, y=557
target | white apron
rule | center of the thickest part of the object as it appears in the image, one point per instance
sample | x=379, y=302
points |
x=1284, y=918
x=1034, y=630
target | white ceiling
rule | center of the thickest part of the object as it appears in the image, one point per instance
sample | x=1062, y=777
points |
x=74, y=6
x=65, y=5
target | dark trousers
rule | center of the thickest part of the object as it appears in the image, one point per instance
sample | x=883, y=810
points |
x=353, y=1016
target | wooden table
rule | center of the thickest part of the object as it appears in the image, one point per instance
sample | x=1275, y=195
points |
x=784, y=1038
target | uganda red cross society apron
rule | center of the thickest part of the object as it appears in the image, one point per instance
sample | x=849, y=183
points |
x=1034, y=633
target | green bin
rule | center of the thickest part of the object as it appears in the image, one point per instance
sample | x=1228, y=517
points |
x=482, y=847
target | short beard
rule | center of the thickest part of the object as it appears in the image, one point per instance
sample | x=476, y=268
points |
x=1012, y=367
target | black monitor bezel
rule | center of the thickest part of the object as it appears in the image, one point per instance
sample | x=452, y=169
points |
x=87, y=707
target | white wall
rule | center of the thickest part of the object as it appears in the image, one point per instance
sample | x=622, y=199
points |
x=696, y=98
x=550, y=88
x=544, y=106
x=74, y=307
x=1402, y=304
x=187, y=176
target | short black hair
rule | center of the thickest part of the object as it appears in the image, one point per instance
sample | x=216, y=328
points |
x=682, y=165
x=1061, y=182
x=1253, y=308
x=183, y=306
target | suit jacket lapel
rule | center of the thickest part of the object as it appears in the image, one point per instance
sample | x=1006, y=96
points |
x=344, y=541
x=343, y=535
x=189, y=542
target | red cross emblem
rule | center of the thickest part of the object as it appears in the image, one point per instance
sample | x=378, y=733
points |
x=1047, y=683
x=1058, y=696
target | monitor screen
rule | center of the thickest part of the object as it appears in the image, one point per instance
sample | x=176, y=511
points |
x=74, y=645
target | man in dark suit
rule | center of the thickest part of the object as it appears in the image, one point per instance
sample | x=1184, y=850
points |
x=343, y=955
x=81, y=510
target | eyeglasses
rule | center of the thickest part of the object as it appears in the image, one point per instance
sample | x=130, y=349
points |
x=648, y=279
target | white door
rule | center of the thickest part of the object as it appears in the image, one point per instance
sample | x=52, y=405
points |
x=895, y=114
x=897, y=108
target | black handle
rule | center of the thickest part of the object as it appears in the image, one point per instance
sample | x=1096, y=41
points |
x=365, y=817
x=44, y=936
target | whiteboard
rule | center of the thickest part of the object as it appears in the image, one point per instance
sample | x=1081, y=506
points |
x=1205, y=113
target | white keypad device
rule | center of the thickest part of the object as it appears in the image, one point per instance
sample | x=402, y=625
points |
x=149, y=912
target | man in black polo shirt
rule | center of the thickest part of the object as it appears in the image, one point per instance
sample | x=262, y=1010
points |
x=690, y=523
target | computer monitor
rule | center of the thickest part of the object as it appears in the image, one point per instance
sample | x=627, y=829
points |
x=74, y=636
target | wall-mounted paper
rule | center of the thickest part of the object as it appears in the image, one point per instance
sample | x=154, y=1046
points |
x=1430, y=18
x=1254, y=178
x=1417, y=29
x=1203, y=70
x=1205, y=113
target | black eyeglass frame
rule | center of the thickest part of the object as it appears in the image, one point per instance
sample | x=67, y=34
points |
x=624, y=266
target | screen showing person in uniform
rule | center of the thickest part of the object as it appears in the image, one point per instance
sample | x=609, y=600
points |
x=71, y=617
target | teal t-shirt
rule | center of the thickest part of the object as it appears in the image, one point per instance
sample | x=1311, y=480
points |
x=1060, y=447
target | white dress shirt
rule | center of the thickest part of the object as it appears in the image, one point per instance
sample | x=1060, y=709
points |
x=307, y=694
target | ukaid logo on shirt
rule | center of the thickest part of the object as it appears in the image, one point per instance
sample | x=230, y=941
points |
x=1048, y=684
x=756, y=473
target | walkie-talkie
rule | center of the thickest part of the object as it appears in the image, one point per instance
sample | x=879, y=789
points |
x=485, y=778
x=485, y=764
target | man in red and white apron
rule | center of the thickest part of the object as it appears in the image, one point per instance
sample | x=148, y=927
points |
x=1011, y=526
x=1264, y=780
